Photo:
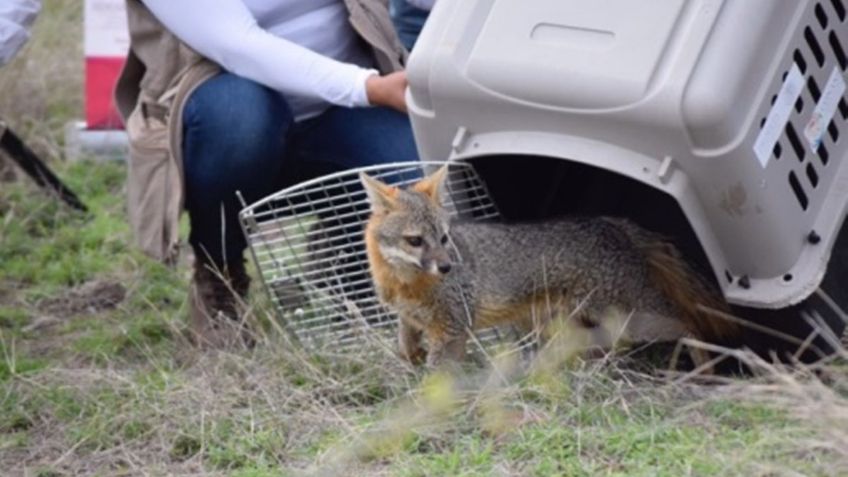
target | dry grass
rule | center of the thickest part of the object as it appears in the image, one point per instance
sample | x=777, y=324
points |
x=274, y=411
x=817, y=396
x=216, y=411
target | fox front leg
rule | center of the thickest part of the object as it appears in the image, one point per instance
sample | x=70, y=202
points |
x=446, y=348
x=409, y=343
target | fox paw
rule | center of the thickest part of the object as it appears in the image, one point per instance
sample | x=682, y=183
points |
x=416, y=356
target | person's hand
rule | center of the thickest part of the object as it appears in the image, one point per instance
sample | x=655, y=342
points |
x=387, y=90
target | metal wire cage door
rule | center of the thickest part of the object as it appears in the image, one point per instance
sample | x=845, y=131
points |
x=308, y=245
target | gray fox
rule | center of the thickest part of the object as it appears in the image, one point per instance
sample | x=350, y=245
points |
x=515, y=273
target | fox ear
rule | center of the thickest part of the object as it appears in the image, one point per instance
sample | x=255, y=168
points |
x=433, y=186
x=381, y=196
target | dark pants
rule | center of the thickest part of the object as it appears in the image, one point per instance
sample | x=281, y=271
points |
x=408, y=21
x=241, y=136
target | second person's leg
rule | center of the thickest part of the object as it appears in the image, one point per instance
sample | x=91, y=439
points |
x=234, y=140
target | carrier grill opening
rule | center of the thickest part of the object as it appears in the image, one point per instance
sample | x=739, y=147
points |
x=308, y=245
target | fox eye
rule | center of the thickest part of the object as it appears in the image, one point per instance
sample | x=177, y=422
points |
x=414, y=240
x=444, y=239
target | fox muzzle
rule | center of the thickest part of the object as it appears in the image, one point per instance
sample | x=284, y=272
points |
x=438, y=266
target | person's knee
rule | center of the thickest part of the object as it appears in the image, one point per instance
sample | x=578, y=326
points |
x=234, y=112
x=397, y=141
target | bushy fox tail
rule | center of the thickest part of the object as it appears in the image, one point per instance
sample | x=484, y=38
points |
x=699, y=303
x=690, y=293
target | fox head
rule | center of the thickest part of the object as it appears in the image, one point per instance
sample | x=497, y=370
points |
x=409, y=227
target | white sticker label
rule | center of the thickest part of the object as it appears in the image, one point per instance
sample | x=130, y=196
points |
x=106, y=33
x=779, y=115
x=825, y=109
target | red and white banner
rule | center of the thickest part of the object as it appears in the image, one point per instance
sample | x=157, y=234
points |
x=106, y=45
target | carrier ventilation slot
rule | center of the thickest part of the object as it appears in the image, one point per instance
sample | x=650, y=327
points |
x=800, y=61
x=812, y=175
x=821, y=16
x=814, y=89
x=837, y=50
x=833, y=130
x=814, y=45
x=822, y=48
x=840, y=9
x=803, y=201
x=824, y=155
x=796, y=143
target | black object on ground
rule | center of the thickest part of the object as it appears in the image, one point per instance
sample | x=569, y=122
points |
x=36, y=168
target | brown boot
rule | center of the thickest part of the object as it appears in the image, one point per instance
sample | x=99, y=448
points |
x=216, y=306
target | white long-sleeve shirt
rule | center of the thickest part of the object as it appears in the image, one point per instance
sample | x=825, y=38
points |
x=305, y=49
x=16, y=17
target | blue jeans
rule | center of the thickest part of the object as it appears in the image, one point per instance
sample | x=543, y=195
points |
x=241, y=136
x=408, y=21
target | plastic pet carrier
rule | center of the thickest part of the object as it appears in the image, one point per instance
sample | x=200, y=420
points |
x=721, y=123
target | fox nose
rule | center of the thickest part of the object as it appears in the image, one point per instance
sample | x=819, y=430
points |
x=444, y=268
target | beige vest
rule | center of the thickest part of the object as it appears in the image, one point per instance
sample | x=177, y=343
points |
x=161, y=72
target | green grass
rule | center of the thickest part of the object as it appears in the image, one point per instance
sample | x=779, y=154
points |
x=121, y=380
x=48, y=247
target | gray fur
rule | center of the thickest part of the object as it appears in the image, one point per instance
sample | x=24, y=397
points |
x=592, y=263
